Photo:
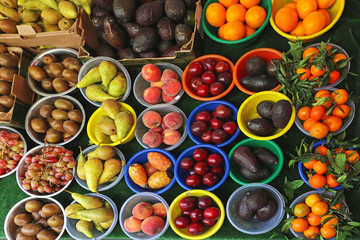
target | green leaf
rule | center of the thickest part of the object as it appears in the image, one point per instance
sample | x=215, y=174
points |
x=355, y=224
x=342, y=178
x=276, y=235
x=292, y=162
x=289, y=187
x=341, y=136
x=296, y=50
x=287, y=224
x=289, y=211
x=340, y=236
x=346, y=228
x=332, y=162
x=340, y=160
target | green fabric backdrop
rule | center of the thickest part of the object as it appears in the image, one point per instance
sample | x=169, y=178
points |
x=345, y=33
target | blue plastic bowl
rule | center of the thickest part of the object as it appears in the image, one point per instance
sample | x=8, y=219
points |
x=211, y=106
x=141, y=158
x=302, y=169
x=181, y=174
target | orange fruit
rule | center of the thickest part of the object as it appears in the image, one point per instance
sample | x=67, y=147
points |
x=306, y=73
x=311, y=232
x=334, y=76
x=290, y=5
x=301, y=210
x=250, y=3
x=308, y=123
x=310, y=51
x=340, y=150
x=286, y=19
x=317, y=181
x=305, y=7
x=339, y=57
x=336, y=206
x=327, y=232
x=316, y=71
x=232, y=31
x=323, y=94
x=249, y=31
x=320, y=208
x=334, y=123
x=310, y=164
x=299, y=225
x=320, y=167
x=236, y=12
x=255, y=16
x=313, y=219
x=317, y=112
x=341, y=111
x=325, y=115
x=322, y=150
x=340, y=96
x=299, y=30
x=327, y=16
x=325, y=3
x=330, y=219
x=304, y=113
x=314, y=22
x=312, y=199
x=331, y=181
x=352, y=156
x=228, y=3
x=215, y=14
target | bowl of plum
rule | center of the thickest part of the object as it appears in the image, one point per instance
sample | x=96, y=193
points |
x=213, y=123
x=202, y=166
x=209, y=77
x=196, y=214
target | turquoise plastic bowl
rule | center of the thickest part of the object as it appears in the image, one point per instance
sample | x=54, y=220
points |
x=212, y=32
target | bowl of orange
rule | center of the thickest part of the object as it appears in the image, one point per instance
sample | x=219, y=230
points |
x=234, y=22
x=305, y=19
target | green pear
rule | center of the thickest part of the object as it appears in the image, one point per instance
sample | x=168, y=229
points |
x=73, y=208
x=107, y=125
x=93, y=169
x=85, y=227
x=112, y=167
x=104, y=152
x=107, y=72
x=88, y=202
x=98, y=215
x=96, y=93
x=80, y=166
x=124, y=122
x=107, y=224
x=67, y=9
x=98, y=227
x=111, y=107
x=99, y=135
x=93, y=76
x=118, y=85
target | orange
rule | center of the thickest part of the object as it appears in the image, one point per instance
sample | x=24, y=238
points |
x=339, y=57
x=336, y=206
x=317, y=181
x=306, y=73
x=317, y=112
x=286, y=19
x=340, y=150
x=327, y=16
x=215, y=14
x=236, y=12
x=250, y=3
x=313, y=77
x=312, y=199
x=352, y=156
x=320, y=167
x=320, y=208
x=311, y=232
x=340, y=96
x=249, y=31
x=299, y=225
x=334, y=76
x=331, y=181
x=325, y=115
x=228, y=3
x=304, y=113
x=322, y=150
x=305, y=7
x=316, y=71
x=290, y=5
x=232, y=31
x=310, y=51
x=330, y=219
x=327, y=232
x=308, y=123
x=313, y=219
x=323, y=94
x=314, y=22
x=301, y=210
x=334, y=123
x=325, y=3
x=255, y=16
x=341, y=111
x=310, y=164
x=299, y=30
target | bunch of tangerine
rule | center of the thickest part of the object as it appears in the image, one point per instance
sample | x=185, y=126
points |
x=327, y=115
x=304, y=17
x=235, y=19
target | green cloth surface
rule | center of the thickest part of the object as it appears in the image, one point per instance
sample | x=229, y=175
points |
x=346, y=33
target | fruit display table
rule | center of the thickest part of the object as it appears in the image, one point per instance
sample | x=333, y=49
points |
x=346, y=33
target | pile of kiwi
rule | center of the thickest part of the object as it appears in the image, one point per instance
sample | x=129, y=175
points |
x=58, y=122
x=56, y=75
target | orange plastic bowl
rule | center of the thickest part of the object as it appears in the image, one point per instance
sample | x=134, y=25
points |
x=187, y=77
x=240, y=66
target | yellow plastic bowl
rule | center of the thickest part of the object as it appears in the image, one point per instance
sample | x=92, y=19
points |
x=175, y=211
x=247, y=111
x=335, y=12
x=94, y=119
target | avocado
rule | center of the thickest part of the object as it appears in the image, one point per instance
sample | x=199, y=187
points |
x=182, y=34
x=126, y=53
x=255, y=66
x=115, y=36
x=261, y=126
x=146, y=40
x=254, y=176
x=149, y=13
x=132, y=28
x=266, y=212
x=272, y=65
x=257, y=199
x=166, y=29
x=189, y=18
x=244, y=212
x=265, y=156
x=105, y=4
x=171, y=51
x=149, y=54
x=244, y=157
x=97, y=11
x=163, y=45
x=175, y=9
x=124, y=10
x=281, y=113
x=103, y=49
x=259, y=83
x=264, y=109
x=98, y=22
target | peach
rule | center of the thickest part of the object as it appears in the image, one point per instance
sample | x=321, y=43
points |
x=152, y=119
x=166, y=98
x=171, y=87
x=163, y=124
x=168, y=73
x=152, y=225
x=142, y=210
x=157, y=129
x=171, y=137
x=156, y=84
x=152, y=95
x=149, y=171
x=151, y=73
x=173, y=120
x=152, y=138
x=159, y=210
x=132, y=224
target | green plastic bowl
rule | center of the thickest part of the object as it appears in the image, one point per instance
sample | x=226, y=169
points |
x=212, y=32
x=269, y=145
